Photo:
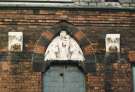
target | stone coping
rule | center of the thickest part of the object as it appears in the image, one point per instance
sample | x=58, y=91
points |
x=76, y=5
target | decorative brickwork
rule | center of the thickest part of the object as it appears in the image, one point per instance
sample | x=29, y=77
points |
x=79, y=35
x=39, y=26
x=48, y=35
x=39, y=49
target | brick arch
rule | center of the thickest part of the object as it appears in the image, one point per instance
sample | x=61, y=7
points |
x=47, y=36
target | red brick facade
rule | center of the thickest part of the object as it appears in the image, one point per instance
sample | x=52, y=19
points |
x=20, y=77
x=16, y=73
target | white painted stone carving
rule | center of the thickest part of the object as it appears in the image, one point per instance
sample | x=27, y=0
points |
x=64, y=47
x=113, y=43
x=112, y=4
x=15, y=41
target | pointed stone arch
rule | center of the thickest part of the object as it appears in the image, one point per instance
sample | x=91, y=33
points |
x=47, y=36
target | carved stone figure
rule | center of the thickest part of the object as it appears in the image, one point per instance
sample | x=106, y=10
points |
x=64, y=47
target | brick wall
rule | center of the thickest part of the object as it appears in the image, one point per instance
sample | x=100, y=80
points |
x=94, y=24
x=16, y=68
x=19, y=77
x=118, y=79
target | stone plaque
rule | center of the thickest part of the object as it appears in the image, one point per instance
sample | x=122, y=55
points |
x=15, y=41
x=112, y=43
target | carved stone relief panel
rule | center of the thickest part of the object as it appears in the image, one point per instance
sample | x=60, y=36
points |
x=64, y=47
x=15, y=41
x=112, y=43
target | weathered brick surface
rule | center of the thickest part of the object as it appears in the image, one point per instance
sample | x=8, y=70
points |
x=79, y=35
x=131, y=56
x=120, y=79
x=96, y=24
x=19, y=77
x=89, y=49
x=39, y=49
x=48, y=35
x=16, y=74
